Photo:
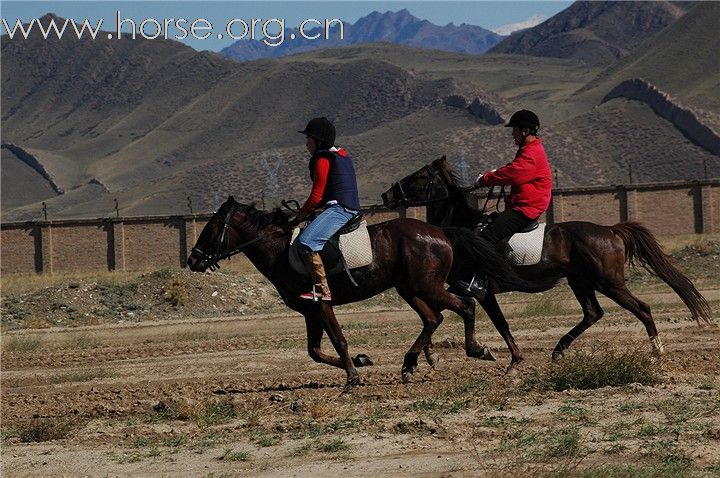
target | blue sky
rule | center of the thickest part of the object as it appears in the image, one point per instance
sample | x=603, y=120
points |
x=485, y=14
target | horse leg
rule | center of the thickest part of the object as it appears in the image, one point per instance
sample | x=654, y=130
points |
x=334, y=332
x=431, y=320
x=465, y=308
x=492, y=308
x=430, y=356
x=314, y=337
x=592, y=312
x=625, y=299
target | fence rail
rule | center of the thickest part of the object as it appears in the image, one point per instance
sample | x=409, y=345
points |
x=139, y=243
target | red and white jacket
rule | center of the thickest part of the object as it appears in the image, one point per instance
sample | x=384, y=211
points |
x=529, y=178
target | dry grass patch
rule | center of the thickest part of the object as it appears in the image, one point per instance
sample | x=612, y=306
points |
x=546, y=306
x=82, y=341
x=233, y=455
x=204, y=414
x=44, y=429
x=22, y=344
x=600, y=367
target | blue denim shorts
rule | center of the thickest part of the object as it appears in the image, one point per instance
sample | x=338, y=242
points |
x=323, y=227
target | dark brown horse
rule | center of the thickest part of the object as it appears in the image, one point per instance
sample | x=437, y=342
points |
x=592, y=257
x=410, y=255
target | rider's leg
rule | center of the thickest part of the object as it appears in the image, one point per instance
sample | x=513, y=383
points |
x=504, y=225
x=313, y=239
x=321, y=289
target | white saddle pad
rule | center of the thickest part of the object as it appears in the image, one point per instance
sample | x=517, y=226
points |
x=355, y=246
x=525, y=249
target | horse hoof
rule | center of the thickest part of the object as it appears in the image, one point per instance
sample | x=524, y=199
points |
x=657, y=346
x=350, y=384
x=407, y=374
x=511, y=371
x=557, y=355
x=432, y=359
x=487, y=355
x=362, y=360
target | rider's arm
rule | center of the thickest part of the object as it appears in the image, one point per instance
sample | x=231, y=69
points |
x=320, y=175
x=520, y=171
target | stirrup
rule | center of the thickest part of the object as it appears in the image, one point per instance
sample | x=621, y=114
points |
x=476, y=288
x=470, y=285
x=316, y=294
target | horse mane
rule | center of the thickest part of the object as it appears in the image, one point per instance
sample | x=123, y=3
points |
x=265, y=219
x=450, y=176
x=452, y=180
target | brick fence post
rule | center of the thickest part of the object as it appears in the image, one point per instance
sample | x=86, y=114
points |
x=706, y=209
x=119, y=243
x=632, y=212
x=183, y=242
x=46, y=244
x=558, y=207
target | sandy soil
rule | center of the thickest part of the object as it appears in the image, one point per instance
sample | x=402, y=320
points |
x=238, y=396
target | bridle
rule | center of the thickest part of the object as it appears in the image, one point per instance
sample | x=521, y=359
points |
x=433, y=176
x=212, y=259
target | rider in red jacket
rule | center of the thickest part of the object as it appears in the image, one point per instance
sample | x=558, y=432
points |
x=530, y=181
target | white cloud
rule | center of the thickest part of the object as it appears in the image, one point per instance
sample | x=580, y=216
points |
x=513, y=27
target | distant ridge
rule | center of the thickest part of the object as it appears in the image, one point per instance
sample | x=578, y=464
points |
x=399, y=27
x=682, y=60
x=594, y=32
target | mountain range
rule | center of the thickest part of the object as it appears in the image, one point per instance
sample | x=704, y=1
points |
x=151, y=123
x=399, y=27
x=594, y=32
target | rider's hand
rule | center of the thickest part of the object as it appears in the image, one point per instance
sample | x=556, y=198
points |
x=298, y=218
x=479, y=182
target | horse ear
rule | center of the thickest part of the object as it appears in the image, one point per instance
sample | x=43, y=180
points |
x=231, y=199
x=444, y=158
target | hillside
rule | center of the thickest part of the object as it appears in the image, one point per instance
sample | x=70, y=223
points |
x=179, y=123
x=593, y=32
x=682, y=60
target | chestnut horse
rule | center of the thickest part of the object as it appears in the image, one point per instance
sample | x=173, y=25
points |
x=592, y=257
x=410, y=255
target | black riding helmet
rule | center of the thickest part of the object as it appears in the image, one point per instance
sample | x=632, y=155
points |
x=524, y=119
x=320, y=129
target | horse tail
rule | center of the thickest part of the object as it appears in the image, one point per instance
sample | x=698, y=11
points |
x=641, y=246
x=485, y=258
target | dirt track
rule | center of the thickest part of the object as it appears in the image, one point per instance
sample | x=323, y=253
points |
x=113, y=386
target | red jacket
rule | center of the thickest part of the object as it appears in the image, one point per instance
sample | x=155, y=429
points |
x=529, y=178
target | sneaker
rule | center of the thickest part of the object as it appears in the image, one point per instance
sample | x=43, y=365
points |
x=317, y=294
x=476, y=288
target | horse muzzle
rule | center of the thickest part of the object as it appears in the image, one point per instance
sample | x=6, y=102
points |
x=389, y=199
x=196, y=265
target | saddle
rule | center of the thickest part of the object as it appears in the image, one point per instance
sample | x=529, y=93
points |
x=348, y=249
x=524, y=248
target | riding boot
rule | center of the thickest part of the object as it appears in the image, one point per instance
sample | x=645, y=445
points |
x=477, y=287
x=320, y=290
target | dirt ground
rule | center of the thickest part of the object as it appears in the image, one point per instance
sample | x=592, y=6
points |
x=238, y=396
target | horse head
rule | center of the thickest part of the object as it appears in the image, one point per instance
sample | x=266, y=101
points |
x=220, y=236
x=424, y=186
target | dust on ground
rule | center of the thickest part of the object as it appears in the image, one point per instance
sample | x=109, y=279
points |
x=217, y=393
